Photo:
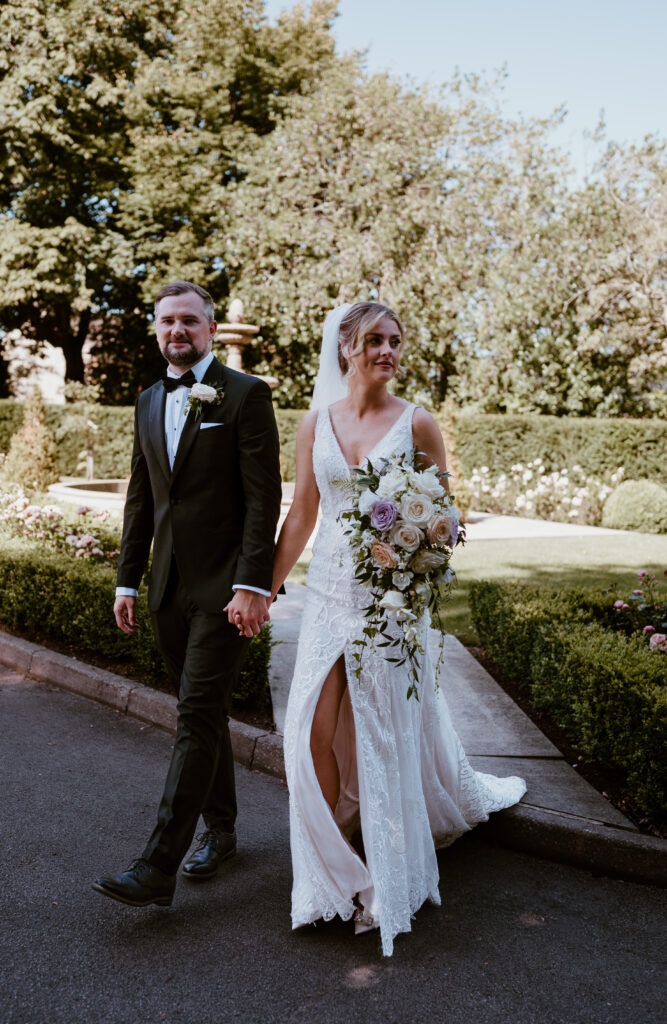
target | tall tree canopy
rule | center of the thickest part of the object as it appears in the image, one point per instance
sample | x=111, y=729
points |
x=147, y=140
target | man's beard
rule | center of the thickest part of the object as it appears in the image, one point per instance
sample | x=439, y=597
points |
x=181, y=356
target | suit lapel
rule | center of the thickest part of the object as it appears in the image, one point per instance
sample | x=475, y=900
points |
x=156, y=428
x=214, y=376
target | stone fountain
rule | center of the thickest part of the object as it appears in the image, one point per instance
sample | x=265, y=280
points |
x=236, y=333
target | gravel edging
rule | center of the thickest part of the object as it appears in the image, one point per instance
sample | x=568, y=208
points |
x=588, y=844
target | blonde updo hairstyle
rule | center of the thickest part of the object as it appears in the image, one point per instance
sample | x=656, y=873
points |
x=359, y=321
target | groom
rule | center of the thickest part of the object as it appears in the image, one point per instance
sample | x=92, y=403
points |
x=205, y=490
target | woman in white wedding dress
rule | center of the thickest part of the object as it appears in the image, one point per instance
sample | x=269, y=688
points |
x=358, y=753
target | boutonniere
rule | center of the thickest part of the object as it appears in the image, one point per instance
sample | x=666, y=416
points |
x=201, y=395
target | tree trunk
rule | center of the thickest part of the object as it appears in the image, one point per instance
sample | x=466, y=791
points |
x=72, y=345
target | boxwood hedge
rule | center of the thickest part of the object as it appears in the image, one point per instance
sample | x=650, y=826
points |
x=599, y=446
x=67, y=600
x=605, y=688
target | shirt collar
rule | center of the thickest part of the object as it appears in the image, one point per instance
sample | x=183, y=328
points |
x=199, y=369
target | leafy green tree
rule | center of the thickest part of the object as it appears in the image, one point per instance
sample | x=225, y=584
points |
x=119, y=127
x=65, y=69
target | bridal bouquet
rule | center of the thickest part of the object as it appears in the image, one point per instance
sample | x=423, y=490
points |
x=402, y=528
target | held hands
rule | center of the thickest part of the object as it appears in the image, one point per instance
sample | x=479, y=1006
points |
x=248, y=611
x=123, y=610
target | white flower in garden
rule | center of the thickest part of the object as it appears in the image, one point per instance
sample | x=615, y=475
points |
x=406, y=536
x=484, y=469
x=416, y=508
x=392, y=483
x=367, y=502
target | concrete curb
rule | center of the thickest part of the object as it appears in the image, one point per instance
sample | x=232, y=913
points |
x=585, y=843
x=256, y=749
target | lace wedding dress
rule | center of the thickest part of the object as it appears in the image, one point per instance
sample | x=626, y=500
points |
x=404, y=776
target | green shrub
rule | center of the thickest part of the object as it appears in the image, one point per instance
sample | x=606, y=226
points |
x=31, y=460
x=599, y=446
x=65, y=599
x=113, y=441
x=636, y=505
x=610, y=693
x=569, y=650
x=508, y=617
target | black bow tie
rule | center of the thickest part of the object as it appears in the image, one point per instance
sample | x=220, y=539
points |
x=185, y=381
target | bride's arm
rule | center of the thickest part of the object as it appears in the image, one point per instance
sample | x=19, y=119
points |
x=428, y=439
x=302, y=516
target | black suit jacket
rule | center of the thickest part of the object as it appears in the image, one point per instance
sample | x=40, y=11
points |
x=217, y=510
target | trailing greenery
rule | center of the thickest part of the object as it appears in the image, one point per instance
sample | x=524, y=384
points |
x=636, y=505
x=600, y=446
x=113, y=440
x=569, y=649
x=68, y=600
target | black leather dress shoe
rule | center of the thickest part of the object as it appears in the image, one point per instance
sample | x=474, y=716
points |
x=215, y=846
x=139, y=886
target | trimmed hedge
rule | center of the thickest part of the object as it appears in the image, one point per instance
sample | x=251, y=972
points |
x=113, y=443
x=71, y=600
x=568, y=649
x=599, y=446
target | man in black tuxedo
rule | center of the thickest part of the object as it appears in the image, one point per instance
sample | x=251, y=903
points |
x=205, y=490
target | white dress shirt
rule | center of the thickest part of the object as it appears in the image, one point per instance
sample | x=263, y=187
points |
x=174, y=421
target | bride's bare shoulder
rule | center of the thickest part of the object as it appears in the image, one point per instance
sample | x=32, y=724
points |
x=306, y=430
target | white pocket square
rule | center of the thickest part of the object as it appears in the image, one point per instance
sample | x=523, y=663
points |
x=205, y=426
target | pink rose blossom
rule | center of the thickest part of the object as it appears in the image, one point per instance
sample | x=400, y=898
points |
x=658, y=642
x=648, y=629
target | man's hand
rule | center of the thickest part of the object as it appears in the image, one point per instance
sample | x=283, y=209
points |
x=123, y=610
x=248, y=611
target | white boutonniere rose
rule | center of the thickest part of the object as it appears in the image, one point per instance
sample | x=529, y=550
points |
x=203, y=394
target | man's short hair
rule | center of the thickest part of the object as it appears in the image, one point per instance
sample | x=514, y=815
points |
x=180, y=288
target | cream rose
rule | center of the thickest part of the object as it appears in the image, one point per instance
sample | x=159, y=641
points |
x=401, y=580
x=406, y=536
x=426, y=561
x=416, y=508
x=443, y=530
x=383, y=555
x=203, y=392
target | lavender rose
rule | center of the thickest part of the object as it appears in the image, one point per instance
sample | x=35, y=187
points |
x=384, y=514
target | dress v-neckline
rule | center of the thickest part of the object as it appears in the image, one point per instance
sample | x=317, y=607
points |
x=377, y=443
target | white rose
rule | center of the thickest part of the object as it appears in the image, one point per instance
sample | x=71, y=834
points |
x=391, y=483
x=416, y=508
x=367, y=502
x=203, y=392
x=425, y=561
x=396, y=606
x=406, y=536
x=427, y=482
x=401, y=580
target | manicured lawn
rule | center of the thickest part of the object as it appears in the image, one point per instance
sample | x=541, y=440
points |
x=598, y=560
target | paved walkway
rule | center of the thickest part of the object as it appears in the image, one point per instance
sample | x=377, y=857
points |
x=517, y=940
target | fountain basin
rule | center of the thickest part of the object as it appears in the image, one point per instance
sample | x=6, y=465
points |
x=100, y=495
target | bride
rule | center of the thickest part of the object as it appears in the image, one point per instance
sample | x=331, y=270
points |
x=361, y=759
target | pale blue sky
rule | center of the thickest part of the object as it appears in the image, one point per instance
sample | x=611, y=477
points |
x=590, y=55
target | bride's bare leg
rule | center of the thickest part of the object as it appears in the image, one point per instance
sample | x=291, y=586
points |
x=325, y=721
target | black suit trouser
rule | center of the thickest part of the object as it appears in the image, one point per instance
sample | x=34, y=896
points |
x=203, y=654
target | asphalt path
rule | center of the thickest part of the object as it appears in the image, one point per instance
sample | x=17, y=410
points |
x=517, y=940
